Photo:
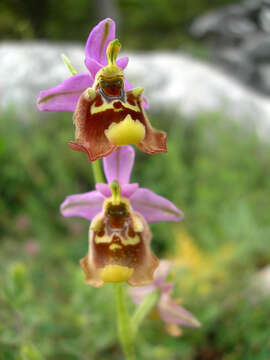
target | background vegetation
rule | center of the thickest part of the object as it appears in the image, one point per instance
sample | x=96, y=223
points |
x=141, y=24
x=218, y=173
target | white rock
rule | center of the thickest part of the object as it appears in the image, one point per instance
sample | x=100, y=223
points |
x=172, y=81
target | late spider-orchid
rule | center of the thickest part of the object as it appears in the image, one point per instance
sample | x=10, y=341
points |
x=119, y=235
x=107, y=111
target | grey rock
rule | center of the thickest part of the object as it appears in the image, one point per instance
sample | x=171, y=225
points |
x=257, y=47
x=228, y=23
x=263, y=77
x=252, y=6
x=238, y=37
x=264, y=19
x=206, y=24
x=235, y=62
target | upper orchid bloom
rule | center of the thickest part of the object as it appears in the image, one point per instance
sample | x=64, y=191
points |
x=108, y=112
x=65, y=96
x=119, y=241
x=168, y=309
x=107, y=115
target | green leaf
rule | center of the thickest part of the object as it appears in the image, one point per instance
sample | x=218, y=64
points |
x=144, y=309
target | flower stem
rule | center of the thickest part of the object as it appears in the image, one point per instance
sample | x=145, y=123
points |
x=97, y=172
x=125, y=331
x=144, y=309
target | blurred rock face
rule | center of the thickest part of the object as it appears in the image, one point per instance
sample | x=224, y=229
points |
x=239, y=36
x=172, y=81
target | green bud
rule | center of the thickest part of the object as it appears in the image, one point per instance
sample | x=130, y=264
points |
x=68, y=64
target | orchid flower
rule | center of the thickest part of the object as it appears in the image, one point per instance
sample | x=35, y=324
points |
x=167, y=309
x=119, y=237
x=107, y=111
x=65, y=96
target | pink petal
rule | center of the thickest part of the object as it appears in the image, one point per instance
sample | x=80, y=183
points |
x=171, y=312
x=165, y=288
x=128, y=85
x=162, y=271
x=98, y=40
x=145, y=103
x=129, y=189
x=85, y=205
x=122, y=62
x=104, y=189
x=93, y=66
x=137, y=293
x=154, y=207
x=118, y=165
x=64, y=97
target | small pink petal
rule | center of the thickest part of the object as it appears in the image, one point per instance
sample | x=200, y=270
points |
x=104, y=189
x=165, y=288
x=118, y=165
x=145, y=103
x=122, y=62
x=98, y=40
x=64, y=97
x=129, y=189
x=154, y=207
x=85, y=205
x=171, y=312
x=128, y=85
x=162, y=271
x=137, y=293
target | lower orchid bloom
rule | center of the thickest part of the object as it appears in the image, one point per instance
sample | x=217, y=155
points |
x=167, y=308
x=119, y=236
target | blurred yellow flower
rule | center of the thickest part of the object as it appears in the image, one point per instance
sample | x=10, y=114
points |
x=204, y=271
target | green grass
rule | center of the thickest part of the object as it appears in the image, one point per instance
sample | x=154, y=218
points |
x=215, y=171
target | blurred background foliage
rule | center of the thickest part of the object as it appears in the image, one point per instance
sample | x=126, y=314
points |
x=139, y=22
x=216, y=171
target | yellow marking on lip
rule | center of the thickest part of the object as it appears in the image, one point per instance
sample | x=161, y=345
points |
x=102, y=239
x=115, y=247
x=130, y=241
x=96, y=225
x=107, y=106
x=115, y=273
x=137, y=224
x=126, y=132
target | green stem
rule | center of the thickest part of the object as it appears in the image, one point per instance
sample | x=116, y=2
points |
x=97, y=171
x=144, y=309
x=125, y=331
